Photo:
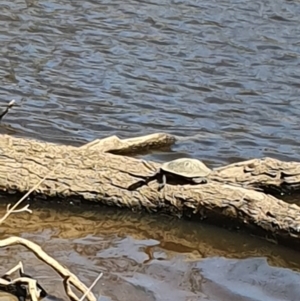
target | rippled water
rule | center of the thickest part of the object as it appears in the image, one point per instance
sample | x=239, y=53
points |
x=222, y=75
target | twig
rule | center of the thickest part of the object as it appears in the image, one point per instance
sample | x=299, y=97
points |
x=25, y=208
x=18, y=267
x=42, y=255
x=91, y=287
x=32, y=286
x=12, y=210
x=72, y=295
x=68, y=289
x=10, y=105
x=16, y=287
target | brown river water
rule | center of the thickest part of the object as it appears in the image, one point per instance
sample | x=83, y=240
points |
x=223, y=76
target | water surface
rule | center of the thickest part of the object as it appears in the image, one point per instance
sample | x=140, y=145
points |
x=144, y=257
x=224, y=74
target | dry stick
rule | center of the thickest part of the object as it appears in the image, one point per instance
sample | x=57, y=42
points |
x=68, y=290
x=31, y=285
x=42, y=255
x=23, y=279
x=10, y=105
x=71, y=294
x=91, y=287
x=37, y=250
x=12, y=210
x=18, y=267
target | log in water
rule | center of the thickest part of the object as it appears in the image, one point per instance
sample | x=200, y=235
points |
x=232, y=196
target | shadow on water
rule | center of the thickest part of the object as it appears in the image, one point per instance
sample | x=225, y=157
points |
x=144, y=257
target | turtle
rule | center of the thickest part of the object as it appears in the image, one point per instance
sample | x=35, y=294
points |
x=183, y=170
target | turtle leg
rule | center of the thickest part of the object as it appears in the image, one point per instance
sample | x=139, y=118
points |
x=141, y=183
x=136, y=185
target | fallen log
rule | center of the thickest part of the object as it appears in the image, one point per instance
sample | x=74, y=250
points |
x=268, y=174
x=91, y=173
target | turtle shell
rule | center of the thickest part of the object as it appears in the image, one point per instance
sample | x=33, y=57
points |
x=186, y=167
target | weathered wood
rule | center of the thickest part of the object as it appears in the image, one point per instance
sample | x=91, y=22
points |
x=268, y=174
x=115, y=145
x=93, y=175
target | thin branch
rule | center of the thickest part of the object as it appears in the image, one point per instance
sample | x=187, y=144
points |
x=91, y=287
x=24, y=209
x=10, y=105
x=12, y=210
x=18, y=267
x=71, y=294
x=42, y=255
x=68, y=289
x=32, y=286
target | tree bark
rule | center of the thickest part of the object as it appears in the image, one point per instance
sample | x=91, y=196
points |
x=91, y=173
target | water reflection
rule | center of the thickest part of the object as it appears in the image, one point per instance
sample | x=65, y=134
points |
x=143, y=257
